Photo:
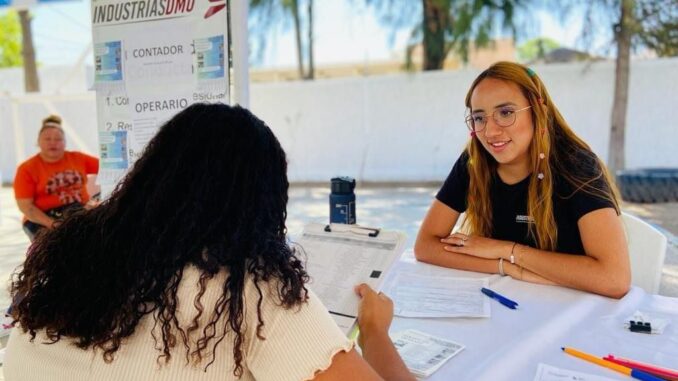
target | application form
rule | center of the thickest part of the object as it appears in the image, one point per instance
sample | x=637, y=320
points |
x=340, y=257
x=439, y=296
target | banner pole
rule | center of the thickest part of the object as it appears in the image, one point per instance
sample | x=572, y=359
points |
x=238, y=22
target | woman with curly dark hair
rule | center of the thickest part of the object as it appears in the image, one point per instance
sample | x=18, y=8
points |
x=185, y=273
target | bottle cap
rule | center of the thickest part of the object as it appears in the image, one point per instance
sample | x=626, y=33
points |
x=343, y=185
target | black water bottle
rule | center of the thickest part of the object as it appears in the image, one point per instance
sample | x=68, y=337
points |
x=342, y=201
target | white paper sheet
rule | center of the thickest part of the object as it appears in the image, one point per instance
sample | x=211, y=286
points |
x=423, y=353
x=339, y=260
x=551, y=373
x=439, y=296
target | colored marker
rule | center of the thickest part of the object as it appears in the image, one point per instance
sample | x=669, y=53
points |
x=637, y=374
x=666, y=373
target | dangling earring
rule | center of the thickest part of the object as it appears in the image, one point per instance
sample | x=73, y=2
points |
x=540, y=175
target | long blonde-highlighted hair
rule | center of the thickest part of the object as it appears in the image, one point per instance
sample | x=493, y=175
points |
x=563, y=151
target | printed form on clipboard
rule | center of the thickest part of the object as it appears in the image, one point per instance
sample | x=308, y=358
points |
x=341, y=256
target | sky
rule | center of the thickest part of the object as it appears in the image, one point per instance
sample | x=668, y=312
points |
x=345, y=32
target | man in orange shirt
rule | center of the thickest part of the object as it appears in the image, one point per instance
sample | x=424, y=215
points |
x=52, y=181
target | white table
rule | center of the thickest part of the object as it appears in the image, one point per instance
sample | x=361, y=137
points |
x=511, y=343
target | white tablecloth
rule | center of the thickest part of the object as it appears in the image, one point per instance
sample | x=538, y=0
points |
x=511, y=343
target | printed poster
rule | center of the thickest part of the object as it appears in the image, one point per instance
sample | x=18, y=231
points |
x=153, y=58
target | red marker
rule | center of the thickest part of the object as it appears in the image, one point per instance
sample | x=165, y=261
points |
x=669, y=374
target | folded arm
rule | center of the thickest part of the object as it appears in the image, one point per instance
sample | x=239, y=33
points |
x=604, y=269
x=437, y=225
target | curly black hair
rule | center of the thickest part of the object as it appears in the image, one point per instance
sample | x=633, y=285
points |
x=210, y=190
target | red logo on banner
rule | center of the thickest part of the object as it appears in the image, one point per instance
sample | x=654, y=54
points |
x=215, y=8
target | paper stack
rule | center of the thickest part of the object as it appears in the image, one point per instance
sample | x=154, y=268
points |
x=424, y=354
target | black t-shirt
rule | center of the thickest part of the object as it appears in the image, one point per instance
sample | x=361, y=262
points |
x=509, y=206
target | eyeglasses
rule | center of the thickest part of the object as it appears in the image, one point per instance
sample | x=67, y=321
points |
x=504, y=117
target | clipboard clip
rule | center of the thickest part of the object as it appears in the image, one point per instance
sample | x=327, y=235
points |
x=640, y=326
x=644, y=323
x=355, y=229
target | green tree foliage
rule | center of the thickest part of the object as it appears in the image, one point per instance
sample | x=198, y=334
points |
x=442, y=26
x=266, y=14
x=10, y=40
x=536, y=48
x=651, y=24
x=656, y=26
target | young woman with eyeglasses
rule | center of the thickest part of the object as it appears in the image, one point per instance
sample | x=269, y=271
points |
x=539, y=205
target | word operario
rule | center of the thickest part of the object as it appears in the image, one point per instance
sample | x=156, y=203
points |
x=168, y=104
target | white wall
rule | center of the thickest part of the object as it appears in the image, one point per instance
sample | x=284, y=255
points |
x=410, y=127
x=394, y=128
x=406, y=127
x=58, y=79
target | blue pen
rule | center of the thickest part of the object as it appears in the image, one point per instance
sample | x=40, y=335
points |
x=501, y=299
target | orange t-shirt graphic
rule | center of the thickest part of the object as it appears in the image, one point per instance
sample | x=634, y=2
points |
x=51, y=185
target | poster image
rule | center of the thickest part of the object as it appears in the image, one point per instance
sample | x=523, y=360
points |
x=108, y=61
x=113, y=149
x=209, y=55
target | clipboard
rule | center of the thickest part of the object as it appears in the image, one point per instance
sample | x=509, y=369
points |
x=339, y=257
